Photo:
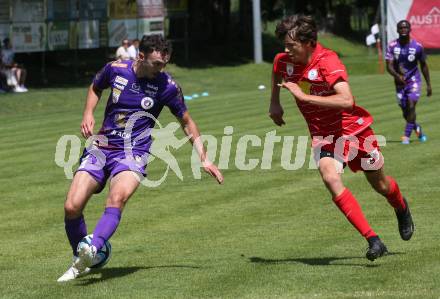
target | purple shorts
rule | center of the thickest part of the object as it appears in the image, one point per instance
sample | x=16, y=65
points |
x=410, y=91
x=103, y=164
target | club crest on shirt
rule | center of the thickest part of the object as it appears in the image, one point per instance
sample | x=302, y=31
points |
x=289, y=69
x=147, y=103
x=411, y=57
x=313, y=74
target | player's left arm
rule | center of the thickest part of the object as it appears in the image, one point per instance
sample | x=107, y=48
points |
x=425, y=72
x=190, y=128
x=342, y=99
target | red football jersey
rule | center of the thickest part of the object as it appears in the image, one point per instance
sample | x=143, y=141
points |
x=318, y=78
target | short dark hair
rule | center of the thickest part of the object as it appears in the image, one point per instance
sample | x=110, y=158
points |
x=298, y=27
x=402, y=22
x=155, y=42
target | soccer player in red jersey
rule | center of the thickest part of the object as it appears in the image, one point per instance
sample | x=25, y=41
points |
x=340, y=130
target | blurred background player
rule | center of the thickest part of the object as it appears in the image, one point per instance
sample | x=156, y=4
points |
x=137, y=87
x=402, y=56
x=318, y=81
x=122, y=52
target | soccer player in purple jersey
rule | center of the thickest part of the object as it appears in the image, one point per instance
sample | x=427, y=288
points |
x=139, y=91
x=402, y=57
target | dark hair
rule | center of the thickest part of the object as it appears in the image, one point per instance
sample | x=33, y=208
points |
x=402, y=22
x=155, y=42
x=298, y=27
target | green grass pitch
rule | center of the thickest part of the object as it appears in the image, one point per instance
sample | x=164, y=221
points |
x=263, y=234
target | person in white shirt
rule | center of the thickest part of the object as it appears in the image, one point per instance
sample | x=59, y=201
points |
x=122, y=52
x=16, y=74
x=133, y=50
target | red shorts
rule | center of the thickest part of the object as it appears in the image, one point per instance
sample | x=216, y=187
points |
x=359, y=152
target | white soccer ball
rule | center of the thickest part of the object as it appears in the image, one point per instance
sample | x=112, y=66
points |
x=105, y=252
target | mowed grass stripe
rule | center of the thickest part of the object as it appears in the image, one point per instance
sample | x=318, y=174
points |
x=195, y=239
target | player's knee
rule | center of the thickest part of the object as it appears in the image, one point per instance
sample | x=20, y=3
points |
x=116, y=200
x=72, y=210
x=332, y=181
x=380, y=187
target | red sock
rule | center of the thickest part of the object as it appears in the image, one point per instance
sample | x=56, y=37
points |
x=351, y=209
x=394, y=196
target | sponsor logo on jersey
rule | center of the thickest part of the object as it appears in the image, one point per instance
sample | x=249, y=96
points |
x=396, y=52
x=116, y=93
x=150, y=93
x=117, y=64
x=123, y=135
x=151, y=86
x=313, y=74
x=289, y=69
x=135, y=88
x=411, y=57
x=118, y=86
x=120, y=119
x=147, y=103
x=121, y=80
x=305, y=86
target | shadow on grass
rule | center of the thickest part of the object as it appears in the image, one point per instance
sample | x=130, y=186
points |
x=115, y=272
x=319, y=261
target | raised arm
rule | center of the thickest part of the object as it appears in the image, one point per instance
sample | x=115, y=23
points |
x=88, y=121
x=191, y=130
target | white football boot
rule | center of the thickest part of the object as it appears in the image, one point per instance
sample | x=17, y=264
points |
x=76, y=270
x=88, y=254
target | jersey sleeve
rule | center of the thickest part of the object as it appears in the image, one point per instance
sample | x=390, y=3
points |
x=174, y=100
x=102, y=78
x=333, y=69
x=277, y=64
x=389, y=53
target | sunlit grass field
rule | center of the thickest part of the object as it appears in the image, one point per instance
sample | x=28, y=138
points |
x=263, y=234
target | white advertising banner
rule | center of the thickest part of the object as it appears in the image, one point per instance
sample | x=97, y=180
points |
x=28, y=37
x=423, y=15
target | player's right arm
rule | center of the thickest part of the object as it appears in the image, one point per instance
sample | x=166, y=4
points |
x=389, y=58
x=275, y=109
x=100, y=82
x=88, y=121
x=398, y=78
